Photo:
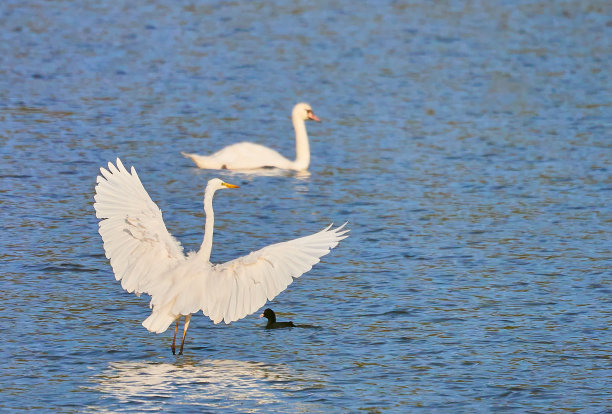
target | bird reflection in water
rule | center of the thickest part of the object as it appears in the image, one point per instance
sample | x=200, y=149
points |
x=268, y=172
x=206, y=384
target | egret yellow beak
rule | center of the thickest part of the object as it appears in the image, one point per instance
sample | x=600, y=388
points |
x=230, y=185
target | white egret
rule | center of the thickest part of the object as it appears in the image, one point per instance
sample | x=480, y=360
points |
x=147, y=259
x=247, y=155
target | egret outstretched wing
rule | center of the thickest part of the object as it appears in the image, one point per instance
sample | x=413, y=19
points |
x=135, y=237
x=241, y=286
x=147, y=259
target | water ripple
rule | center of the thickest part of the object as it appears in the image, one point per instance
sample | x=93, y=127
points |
x=467, y=146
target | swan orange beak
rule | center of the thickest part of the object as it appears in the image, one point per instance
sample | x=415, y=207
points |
x=313, y=117
x=230, y=185
x=261, y=316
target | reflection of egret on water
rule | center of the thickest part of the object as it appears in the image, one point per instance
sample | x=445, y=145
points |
x=207, y=384
x=147, y=259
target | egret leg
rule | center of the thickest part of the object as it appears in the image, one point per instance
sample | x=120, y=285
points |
x=174, y=339
x=187, y=319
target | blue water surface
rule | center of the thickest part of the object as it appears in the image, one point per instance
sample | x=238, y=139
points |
x=468, y=145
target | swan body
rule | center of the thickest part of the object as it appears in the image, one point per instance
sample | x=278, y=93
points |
x=247, y=155
x=147, y=259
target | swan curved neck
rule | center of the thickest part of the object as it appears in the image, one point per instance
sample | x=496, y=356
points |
x=302, y=148
x=209, y=226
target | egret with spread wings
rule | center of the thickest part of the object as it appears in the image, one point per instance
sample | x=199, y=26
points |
x=147, y=259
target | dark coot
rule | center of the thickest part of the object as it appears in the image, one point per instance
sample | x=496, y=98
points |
x=272, y=324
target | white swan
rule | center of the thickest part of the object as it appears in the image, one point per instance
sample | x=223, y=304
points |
x=147, y=259
x=247, y=155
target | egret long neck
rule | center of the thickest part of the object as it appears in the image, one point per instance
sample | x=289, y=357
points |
x=206, y=247
x=302, y=148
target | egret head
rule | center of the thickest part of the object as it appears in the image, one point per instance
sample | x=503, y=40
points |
x=217, y=184
x=303, y=111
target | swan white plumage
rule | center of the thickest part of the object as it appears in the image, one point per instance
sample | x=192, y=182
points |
x=147, y=259
x=247, y=155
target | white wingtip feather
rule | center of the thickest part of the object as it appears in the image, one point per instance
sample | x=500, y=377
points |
x=121, y=166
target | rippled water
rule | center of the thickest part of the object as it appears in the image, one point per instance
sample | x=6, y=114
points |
x=468, y=144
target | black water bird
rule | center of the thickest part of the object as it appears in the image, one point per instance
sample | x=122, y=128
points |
x=272, y=324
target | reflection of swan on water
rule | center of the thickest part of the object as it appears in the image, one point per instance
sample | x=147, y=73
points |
x=207, y=385
x=269, y=172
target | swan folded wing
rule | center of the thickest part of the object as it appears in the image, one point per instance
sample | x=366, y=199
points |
x=135, y=237
x=243, y=155
x=248, y=155
x=242, y=286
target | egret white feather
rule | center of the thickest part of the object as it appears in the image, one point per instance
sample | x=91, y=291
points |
x=147, y=259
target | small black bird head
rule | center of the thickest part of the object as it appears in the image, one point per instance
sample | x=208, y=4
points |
x=269, y=315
